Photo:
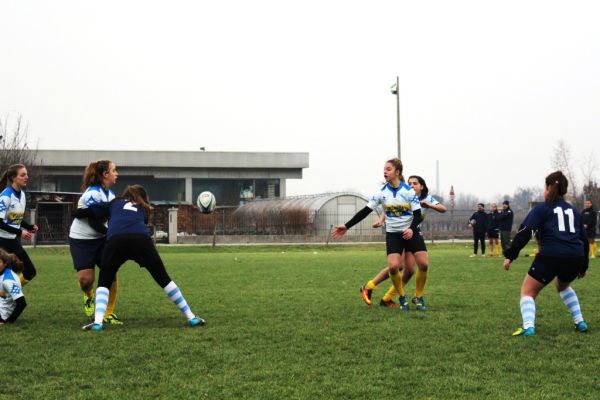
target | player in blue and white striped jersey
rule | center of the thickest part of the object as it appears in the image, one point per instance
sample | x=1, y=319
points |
x=417, y=254
x=564, y=253
x=128, y=238
x=87, y=235
x=403, y=213
x=13, y=226
x=12, y=299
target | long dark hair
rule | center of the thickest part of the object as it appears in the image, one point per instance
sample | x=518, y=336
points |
x=425, y=190
x=137, y=194
x=397, y=165
x=11, y=261
x=94, y=173
x=557, y=185
x=9, y=175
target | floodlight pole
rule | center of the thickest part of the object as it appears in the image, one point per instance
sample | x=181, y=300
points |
x=396, y=91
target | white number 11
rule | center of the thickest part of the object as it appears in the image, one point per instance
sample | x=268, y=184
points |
x=561, y=219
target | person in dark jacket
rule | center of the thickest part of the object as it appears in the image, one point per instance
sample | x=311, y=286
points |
x=478, y=222
x=590, y=220
x=505, y=223
x=493, y=230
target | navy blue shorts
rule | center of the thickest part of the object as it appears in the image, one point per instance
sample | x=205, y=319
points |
x=545, y=268
x=86, y=253
x=394, y=243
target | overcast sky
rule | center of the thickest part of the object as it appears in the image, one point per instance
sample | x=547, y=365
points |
x=486, y=88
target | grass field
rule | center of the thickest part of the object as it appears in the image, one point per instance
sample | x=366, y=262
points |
x=288, y=323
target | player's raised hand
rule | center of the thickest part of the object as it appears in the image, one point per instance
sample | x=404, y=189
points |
x=339, y=231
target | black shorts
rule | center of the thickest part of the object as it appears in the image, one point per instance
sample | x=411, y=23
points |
x=493, y=234
x=86, y=253
x=545, y=268
x=591, y=233
x=394, y=243
x=135, y=247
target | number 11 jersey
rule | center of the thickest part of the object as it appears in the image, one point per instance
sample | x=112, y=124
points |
x=560, y=227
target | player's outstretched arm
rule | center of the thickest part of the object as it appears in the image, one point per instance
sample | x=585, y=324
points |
x=520, y=240
x=340, y=230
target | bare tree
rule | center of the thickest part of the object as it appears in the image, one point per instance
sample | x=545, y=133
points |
x=591, y=191
x=14, y=148
x=589, y=168
x=562, y=160
x=467, y=201
x=523, y=196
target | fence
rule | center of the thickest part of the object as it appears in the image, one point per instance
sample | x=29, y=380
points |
x=299, y=225
x=277, y=226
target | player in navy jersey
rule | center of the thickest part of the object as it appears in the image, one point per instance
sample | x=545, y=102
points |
x=403, y=215
x=128, y=238
x=412, y=255
x=12, y=299
x=13, y=226
x=563, y=253
x=87, y=235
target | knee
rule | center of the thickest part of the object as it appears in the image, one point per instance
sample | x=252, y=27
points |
x=423, y=267
x=86, y=282
x=394, y=268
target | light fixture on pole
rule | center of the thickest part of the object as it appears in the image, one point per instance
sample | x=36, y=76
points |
x=395, y=89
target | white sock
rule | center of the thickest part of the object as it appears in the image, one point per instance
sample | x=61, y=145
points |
x=528, y=311
x=570, y=299
x=101, y=303
x=177, y=298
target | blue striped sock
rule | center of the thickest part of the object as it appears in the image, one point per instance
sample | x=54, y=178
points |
x=101, y=303
x=172, y=290
x=528, y=311
x=570, y=299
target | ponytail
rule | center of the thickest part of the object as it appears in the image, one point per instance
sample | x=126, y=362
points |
x=557, y=185
x=137, y=194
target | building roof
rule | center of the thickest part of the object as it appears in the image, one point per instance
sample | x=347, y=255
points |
x=182, y=159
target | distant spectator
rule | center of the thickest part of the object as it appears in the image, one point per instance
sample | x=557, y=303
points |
x=478, y=222
x=590, y=220
x=493, y=230
x=505, y=222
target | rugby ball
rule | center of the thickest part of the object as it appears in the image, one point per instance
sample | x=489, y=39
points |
x=206, y=202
